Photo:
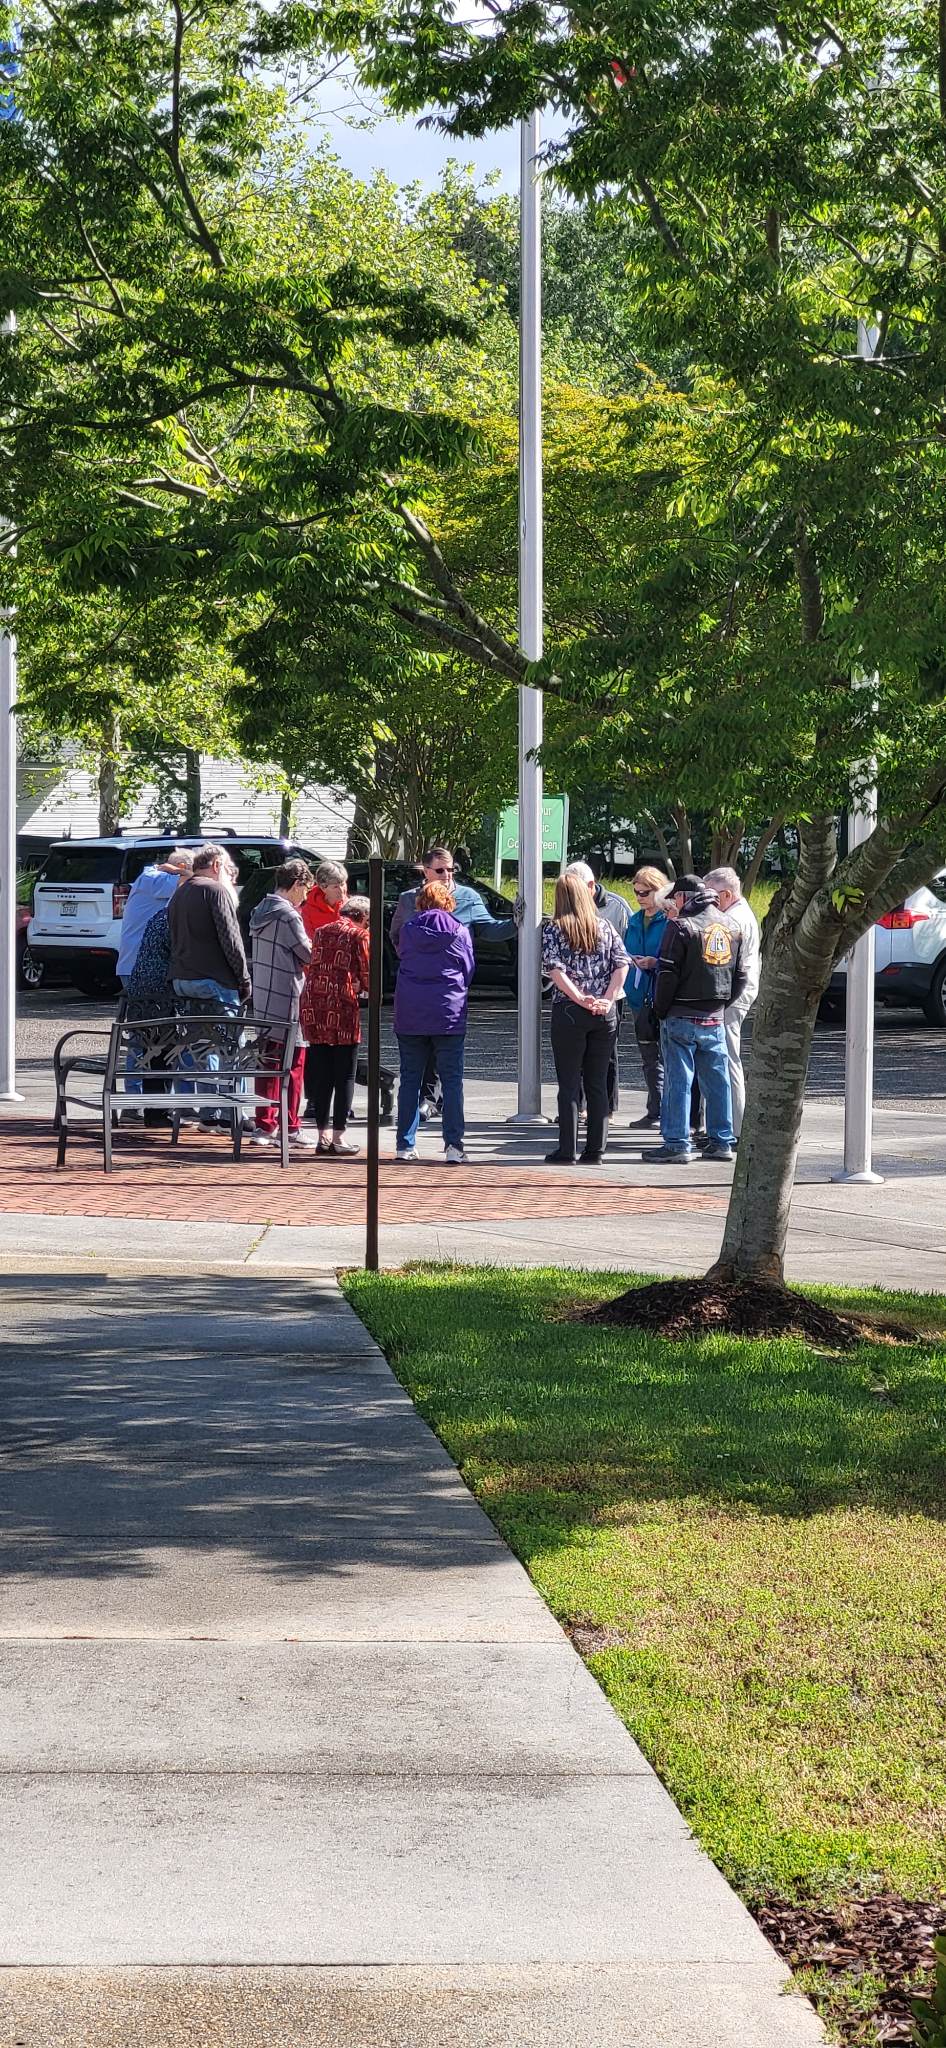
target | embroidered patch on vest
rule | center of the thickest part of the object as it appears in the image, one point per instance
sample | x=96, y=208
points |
x=717, y=946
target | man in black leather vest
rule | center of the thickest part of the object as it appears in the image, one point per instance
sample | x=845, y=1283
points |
x=699, y=972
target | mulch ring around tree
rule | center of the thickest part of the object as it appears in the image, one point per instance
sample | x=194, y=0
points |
x=885, y=1937
x=740, y=1308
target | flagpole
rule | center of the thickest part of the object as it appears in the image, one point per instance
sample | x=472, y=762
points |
x=529, y=1108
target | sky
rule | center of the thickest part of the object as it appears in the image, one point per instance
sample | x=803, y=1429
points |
x=403, y=149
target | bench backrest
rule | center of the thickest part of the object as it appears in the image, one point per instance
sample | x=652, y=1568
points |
x=176, y=1046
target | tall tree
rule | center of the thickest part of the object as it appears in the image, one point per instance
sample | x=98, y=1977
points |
x=786, y=180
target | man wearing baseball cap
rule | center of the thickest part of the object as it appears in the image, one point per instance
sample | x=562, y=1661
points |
x=700, y=971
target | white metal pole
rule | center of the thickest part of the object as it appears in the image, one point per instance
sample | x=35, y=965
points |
x=530, y=622
x=8, y=1088
x=859, y=1021
x=859, y=1036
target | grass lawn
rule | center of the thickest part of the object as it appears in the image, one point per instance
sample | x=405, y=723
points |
x=758, y=1529
x=760, y=897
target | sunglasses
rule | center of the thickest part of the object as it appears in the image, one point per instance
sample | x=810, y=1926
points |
x=443, y=871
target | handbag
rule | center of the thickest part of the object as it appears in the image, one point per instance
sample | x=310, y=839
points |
x=647, y=1024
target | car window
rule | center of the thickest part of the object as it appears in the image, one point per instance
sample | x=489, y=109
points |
x=140, y=857
x=250, y=859
x=73, y=864
x=937, y=887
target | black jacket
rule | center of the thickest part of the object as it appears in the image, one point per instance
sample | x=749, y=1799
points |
x=700, y=966
x=206, y=943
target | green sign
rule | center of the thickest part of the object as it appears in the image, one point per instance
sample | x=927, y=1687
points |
x=554, y=831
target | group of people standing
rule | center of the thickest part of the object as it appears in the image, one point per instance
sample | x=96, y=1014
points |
x=686, y=965
x=183, y=953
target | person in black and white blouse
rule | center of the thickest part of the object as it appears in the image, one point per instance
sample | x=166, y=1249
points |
x=586, y=964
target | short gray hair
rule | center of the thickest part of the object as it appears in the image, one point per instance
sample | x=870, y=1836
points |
x=330, y=871
x=582, y=873
x=180, y=857
x=207, y=856
x=724, y=878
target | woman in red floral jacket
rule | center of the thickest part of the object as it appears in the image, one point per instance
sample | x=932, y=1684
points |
x=330, y=1020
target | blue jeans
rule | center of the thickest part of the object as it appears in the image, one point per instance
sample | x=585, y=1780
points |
x=699, y=1049
x=415, y=1050
x=207, y=998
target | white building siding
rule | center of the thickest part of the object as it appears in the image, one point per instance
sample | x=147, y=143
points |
x=56, y=801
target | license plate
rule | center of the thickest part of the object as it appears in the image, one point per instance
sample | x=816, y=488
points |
x=68, y=909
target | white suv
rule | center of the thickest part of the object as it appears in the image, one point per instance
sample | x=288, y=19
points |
x=910, y=954
x=83, y=886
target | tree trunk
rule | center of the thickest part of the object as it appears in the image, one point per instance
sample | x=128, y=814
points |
x=285, y=814
x=661, y=838
x=726, y=842
x=783, y=1021
x=193, y=794
x=360, y=832
x=762, y=845
x=681, y=821
x=109, y=799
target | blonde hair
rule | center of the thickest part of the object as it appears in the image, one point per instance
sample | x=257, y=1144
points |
x=652, y=878
x=436, y=896
x=575, y=912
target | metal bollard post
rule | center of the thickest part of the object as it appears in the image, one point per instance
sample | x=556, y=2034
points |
x=376, y=928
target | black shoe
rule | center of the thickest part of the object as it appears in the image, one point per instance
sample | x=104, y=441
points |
x=591, y=1158
x=669, y=1155
x=724, y=1152
x=701, y=1139
x=560, y=1159
x=644, y=1123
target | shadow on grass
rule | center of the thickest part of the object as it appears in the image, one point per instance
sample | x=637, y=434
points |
x=534, y=1406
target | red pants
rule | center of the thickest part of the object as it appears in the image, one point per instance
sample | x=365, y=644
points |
x=268, y=1119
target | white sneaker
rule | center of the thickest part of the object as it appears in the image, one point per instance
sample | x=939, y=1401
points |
x=406, y=1154
x=262, y=1138
x=455, y=1156
x=302, y=1141
x=342, y=1148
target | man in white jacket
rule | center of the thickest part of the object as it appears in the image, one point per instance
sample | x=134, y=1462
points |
x=728, y=888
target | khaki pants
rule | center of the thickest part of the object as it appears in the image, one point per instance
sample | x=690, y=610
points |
x=733, y=1020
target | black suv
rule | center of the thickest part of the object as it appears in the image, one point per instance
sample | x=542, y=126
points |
x=497, y=958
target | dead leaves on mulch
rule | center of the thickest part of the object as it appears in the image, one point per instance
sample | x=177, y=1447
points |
x=740, y=1308
x=887, y=1936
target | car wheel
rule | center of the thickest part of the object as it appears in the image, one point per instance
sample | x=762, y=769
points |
x=98, y=982
x=934, y=1008
x=30, y=972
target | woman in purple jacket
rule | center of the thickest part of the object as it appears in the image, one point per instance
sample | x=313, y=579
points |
x=430, y=1002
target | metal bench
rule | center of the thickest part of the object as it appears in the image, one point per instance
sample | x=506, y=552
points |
x=200, y=1062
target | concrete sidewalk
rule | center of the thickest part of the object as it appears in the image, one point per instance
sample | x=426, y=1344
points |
x=627, y=1214
x=294, y=1754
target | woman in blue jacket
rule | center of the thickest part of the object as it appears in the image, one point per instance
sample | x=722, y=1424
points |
x=642, y=942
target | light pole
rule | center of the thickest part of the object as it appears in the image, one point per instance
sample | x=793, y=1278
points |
x=530, y=623
x=8, y=1088
x=859, y=1012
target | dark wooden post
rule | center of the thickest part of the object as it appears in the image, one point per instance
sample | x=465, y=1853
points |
x=376, y=899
